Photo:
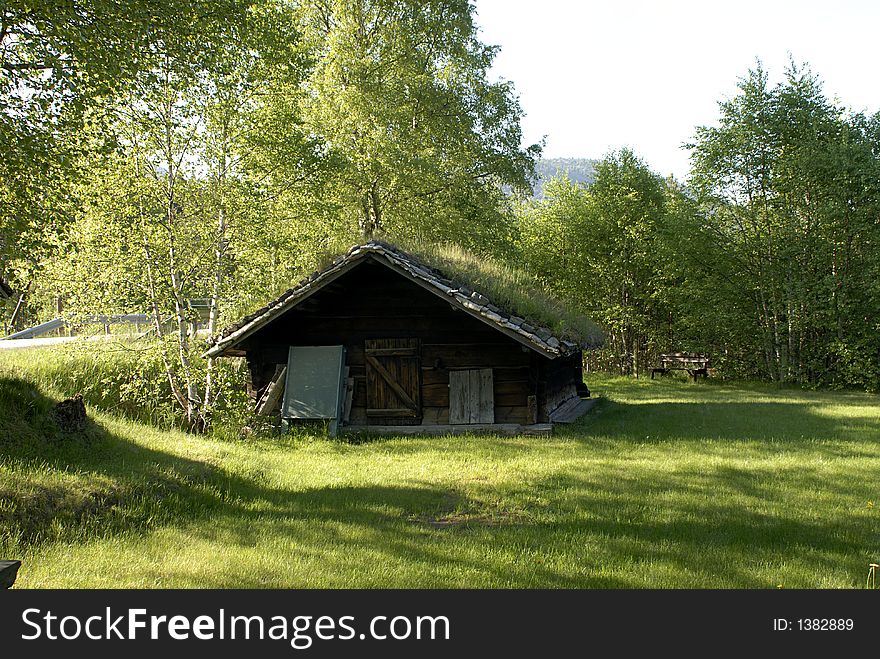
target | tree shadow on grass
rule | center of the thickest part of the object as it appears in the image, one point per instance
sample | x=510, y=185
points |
x=57, y=485
x=710, y=527
x=719, y=526
x=602, y=533
x=339, y=535
x=606, y=529
x=121, y=487
x=79, y=487
x=782, y=425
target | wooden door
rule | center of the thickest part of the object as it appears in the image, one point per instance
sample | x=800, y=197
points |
x=394, y=372
x=471, y=396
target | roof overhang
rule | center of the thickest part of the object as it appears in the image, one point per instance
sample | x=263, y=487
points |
x=540, y=340
x=283, y=304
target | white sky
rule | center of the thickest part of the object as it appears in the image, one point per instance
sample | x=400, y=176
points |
x=596, y=76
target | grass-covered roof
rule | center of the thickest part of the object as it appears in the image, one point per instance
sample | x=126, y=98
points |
x=512, y=289
x=498, y=294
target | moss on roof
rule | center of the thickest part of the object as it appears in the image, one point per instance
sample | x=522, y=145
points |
x=510, y=288
x=501, y=293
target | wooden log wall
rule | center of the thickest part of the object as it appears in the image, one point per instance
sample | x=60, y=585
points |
x=373, y=302
x=558, y=382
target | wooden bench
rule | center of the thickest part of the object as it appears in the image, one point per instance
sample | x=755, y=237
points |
x=695, y=365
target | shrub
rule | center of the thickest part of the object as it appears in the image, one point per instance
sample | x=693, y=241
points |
x=126, y=378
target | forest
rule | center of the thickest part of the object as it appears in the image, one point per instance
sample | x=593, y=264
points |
x=154, y=154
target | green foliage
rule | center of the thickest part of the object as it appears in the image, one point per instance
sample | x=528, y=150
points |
x=577, y=170
x=791, y=187
x=604, y=248
x=768, y=260
x=154, y=155
x=61, y=63
x=220, y=152
x=419, y=141
x=123, y=378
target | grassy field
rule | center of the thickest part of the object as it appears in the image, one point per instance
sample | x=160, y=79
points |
x=665, y=484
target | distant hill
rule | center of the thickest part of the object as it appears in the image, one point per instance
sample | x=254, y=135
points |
x=579, y=170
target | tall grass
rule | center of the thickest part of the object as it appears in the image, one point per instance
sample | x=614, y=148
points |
x=511, y=289
x=59, y=487
x=125, y=378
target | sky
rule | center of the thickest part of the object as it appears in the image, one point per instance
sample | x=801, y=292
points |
x=597, y=76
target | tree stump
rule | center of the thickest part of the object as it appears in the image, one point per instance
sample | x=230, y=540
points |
x=70, y=414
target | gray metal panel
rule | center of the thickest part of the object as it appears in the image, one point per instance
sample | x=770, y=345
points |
x=37, y=330
x=313, y=388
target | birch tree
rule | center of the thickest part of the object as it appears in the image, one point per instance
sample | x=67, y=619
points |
x=423, y=141
x=790, y=184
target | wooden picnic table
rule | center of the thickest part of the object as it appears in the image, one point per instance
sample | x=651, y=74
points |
x=695, y=364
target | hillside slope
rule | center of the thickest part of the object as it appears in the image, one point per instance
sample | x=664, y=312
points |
x=579, y=170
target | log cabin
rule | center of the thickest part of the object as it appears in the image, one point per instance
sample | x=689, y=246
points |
x=418, y=351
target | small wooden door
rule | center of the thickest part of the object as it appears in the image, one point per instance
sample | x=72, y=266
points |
x=471, y=396
x=394, y=372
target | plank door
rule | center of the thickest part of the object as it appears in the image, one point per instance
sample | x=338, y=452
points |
x=471, y=396
x=394, y=372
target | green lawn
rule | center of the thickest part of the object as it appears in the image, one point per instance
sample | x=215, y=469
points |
x=665, y=484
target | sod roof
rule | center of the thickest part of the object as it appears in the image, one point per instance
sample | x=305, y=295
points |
x=498, y=295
